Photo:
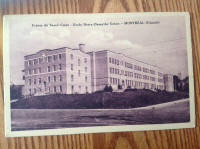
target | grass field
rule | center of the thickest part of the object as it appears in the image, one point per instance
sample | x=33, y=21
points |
x=104, y=100
x=35, y=119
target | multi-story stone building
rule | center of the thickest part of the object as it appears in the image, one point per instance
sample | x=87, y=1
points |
x=62, y=70
x=67, y=70
x=116, y=69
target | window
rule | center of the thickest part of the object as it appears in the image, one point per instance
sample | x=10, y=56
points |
x=79, y=73
x=79, y=62
x=49, y=79
x=34, y=91
x=85, y=79
x=39, y=70
x=72, y=88
x=79, y=88
x=85, y=69
x=29, y=81
x=117, y=62
x=152, y=72
x=72, y=77
x=34, y=71
x=60, y=88
x=34, y=61
x=29, y=62
x=71, y=56
x=72, y=67
x=48, y=58
x=40, y=81
x=54, y=78
x=49, y=89
x=110, y=60
x=29, y=72
x=86, y=89
x=85, y=59
x=60, y=77
x=54, y=67
x=40, y=89
x=60, y=67
x=59, y=56
x=48, y=69
x=34, y=81
x=54, y=57
x=110, y=80
x=54, y=89
x=40, y=60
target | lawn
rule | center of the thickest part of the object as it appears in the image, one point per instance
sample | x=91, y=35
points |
x=105, y=100
x=34, y=119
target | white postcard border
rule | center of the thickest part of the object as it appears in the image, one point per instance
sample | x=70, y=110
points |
x=99, y=129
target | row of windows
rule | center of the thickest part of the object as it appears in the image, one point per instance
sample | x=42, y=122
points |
x=139, y=68
x=42, y=59
x=54, y=68
x=138, y=84
x=72, y=78
x=137, y=75
x=79, y=87
x=152, y=72
x=114, y=81
x=54, y=89
x=131, y=83
x=129, y=74
x=113, y=61
x=79, y=60
x=116, y=62
x=128, y=65
x=40, y=81
x=152, y=78
x=52, y=58
x=114, y=70
x=72, y=68
x=145, y=70
x=49, y=69
x=145, y=77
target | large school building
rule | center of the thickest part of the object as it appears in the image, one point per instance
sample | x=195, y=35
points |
x=67, y=70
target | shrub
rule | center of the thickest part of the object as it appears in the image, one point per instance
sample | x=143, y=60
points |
x=110, y=88
x=106, y=88
x=119, y=86
x=128, y=87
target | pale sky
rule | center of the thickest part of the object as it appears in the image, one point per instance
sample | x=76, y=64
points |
x=162, y=44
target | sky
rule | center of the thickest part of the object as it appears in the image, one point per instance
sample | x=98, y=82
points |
x=163, y=44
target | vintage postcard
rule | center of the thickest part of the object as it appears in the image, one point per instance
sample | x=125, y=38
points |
x=88, y=73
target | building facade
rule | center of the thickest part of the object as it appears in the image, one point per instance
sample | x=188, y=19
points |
x=68, y=71
x=62, y=70
x=168, y=82
x=120, y=71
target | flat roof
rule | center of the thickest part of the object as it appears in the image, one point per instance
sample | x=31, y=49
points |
x=125, y=56
x=54, y=50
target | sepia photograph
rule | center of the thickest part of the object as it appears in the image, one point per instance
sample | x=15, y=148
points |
x=87, y=73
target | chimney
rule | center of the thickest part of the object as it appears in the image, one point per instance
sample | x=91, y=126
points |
x=82, y=47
